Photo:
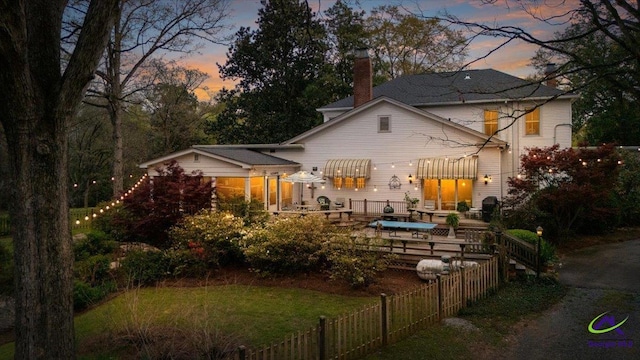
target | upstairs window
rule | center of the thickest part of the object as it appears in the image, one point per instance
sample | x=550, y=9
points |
x=532, y=121
x=384, y=124
x=490, y=121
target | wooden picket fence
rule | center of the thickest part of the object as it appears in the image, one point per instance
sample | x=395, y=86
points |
x=394, y=318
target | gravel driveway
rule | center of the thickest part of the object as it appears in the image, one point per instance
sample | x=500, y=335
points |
x=602, y=279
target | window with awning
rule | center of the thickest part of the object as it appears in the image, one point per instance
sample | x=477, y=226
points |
x=448, y=168
x=347, y=168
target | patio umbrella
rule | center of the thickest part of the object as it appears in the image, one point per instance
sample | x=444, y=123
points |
x=304, y=177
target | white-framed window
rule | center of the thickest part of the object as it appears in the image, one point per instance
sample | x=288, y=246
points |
x=490, y=121
x=532, y=121
x=384, y=123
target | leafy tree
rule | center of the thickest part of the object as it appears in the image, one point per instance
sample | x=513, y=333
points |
x=39, y=97
x=144, y=30
x=406, y=44
x=628, y=188
x=278, y=67
x=156, y=205
x=567, y=190
x=175, y=122
x=345, y=33
x=90, y=148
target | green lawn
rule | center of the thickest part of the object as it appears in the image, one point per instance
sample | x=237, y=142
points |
x=254, y=315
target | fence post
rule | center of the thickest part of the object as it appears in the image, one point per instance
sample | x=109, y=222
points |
x=463, y=284
x=440, y=310
x=322, y=338
x=462, y=246
x=242, y=352
x=364, y=205
x=502, y=256
x=383, y=319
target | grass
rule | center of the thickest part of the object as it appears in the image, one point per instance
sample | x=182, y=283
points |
x=252, y=315
x=494, y=317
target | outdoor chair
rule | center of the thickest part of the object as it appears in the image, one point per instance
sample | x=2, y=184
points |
x=324, y=202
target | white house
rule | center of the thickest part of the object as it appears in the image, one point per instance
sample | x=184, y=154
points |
x=442, y=138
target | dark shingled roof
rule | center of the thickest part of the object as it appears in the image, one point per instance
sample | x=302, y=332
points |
x=245, y=156
x=455, y=87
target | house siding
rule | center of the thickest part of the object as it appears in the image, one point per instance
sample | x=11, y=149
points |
x=412, y=137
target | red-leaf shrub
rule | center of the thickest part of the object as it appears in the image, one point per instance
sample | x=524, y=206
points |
x=565, y=190
x=160, y=202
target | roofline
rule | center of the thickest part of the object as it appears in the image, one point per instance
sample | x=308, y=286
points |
x=411, y=108
x=570, y=96
x=194, y=149
x=252, y=146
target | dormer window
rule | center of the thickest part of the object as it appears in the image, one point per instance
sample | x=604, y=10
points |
x=384, y=124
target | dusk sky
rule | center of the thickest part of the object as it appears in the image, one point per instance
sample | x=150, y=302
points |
x=512, y=59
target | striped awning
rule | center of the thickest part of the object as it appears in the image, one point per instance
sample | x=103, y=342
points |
x=353, y=168
x=448, y=168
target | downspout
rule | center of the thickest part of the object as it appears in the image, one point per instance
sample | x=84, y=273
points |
x=556, y=128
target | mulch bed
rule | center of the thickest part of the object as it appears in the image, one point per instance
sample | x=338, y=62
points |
x=388, y=282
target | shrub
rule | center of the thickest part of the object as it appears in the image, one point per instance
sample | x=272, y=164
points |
x=96, y=243
x=85, y=295
x=210, y=236
x=115, y=222
x=145, y=267
x=288, y=245
x=547, y=250
x=251, y=212
x=93, y=270
x=348, y=262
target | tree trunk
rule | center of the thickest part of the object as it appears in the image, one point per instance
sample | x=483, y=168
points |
x=37, y=104
x=118, y=156
x=42, y=242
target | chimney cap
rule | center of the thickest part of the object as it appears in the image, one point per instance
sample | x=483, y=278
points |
x=361, y=53
x=550, y=68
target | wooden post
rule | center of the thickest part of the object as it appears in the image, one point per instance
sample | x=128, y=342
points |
x=384, y=319
x=322, y=338
x=538, y=262
x=463, y=284
x=440, y=300
x=431, y=244
x=503, y=267
x=365, y=206
x=242, y=352
x=462, y=246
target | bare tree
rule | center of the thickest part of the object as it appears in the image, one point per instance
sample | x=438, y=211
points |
x=616, y=22
x=145, y=29
x=38, y=101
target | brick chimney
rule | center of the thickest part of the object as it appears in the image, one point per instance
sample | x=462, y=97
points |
x=551, y=75
x=362, y=78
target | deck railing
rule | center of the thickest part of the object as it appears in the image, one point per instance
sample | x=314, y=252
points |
x=519, y=250
x=376, y=207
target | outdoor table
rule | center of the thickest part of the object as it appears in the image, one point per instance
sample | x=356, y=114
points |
x=394, y=226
